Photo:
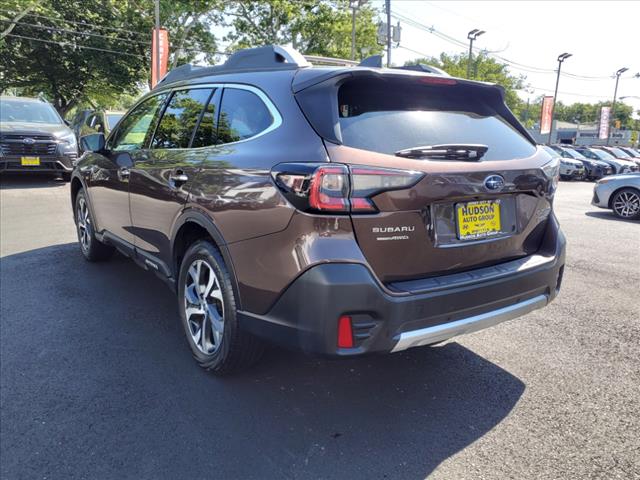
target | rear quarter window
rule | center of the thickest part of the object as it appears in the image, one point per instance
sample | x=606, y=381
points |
x=389, y=115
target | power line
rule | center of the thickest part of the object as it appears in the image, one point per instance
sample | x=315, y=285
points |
x=64, y=30
x=89, y=33
x=519, y=66
x=85, y=24
x=76, y=45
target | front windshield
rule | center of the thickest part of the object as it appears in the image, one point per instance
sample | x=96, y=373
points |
x=27, y=111
x=602, y=155
x=550, y=151
x=619, y=153
x=574, y=154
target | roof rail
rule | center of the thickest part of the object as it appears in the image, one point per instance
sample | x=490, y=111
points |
x=341, y=62
x=376, y=62
x=270, y=57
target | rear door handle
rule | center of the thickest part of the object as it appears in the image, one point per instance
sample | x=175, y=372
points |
x=178, y=178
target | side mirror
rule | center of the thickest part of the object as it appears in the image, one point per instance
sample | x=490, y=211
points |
x=93, y=143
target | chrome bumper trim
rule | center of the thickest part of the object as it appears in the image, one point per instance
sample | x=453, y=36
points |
x=439, y=333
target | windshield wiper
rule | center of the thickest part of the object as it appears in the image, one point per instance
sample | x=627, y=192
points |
x=447, y=151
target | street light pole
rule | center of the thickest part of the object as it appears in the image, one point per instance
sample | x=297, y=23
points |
x=561, y=58
x=613, y=105
x=472, y=35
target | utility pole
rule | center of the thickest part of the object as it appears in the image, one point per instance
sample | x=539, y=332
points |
x=387, y=4
x=354, y=5
x=613, y=105
x=157, y=35
x=561, y=58
x=472, y=35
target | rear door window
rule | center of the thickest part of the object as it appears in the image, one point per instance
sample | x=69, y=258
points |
x=206, y=132
x=389, y=115
x=179, y=119
x=242, y=115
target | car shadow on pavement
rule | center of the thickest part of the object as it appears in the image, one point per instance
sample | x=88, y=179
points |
x=97, y=381
x=9, y=181
x=608, y=215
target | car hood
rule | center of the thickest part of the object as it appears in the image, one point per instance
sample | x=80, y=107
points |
x=31, y=128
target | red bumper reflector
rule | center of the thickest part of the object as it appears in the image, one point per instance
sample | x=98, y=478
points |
x=345, y=333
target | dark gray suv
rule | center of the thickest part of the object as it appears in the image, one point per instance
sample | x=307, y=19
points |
x=340, y=210
x=34, y=138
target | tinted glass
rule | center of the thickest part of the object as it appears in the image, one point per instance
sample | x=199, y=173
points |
x=574, y=154
x=180, y=117
x=26, y=111
x=137, y=125
x=242, y=115
x=601, y=154
x=206, y=133
x=619, y=153
x=550, y=151
x=390, y=115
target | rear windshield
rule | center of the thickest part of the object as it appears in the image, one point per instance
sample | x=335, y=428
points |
x=390, y=115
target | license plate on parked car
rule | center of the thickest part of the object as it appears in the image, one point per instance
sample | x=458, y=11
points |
x=477, y=220
x=30, y=161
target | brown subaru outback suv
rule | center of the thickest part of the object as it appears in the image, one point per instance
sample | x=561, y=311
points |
x=339, y=210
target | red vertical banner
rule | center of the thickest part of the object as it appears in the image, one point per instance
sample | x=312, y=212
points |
x=605, y=116
x=163, y=36
x=546, y=115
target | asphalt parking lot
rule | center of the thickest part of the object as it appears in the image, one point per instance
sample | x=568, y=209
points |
x=97, y=380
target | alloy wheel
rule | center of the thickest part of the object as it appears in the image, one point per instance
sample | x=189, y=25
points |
x=204, y=307
x=83, y=220
x=627, y=204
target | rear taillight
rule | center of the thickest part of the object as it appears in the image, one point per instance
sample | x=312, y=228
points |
x=336, y=188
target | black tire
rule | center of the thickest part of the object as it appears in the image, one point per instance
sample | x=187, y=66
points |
x=625, y=203
x=92, y=249
x=219, y=352
x=66, y=176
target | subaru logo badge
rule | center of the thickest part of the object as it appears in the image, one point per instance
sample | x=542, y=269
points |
x=494, y=183
x=28, y=141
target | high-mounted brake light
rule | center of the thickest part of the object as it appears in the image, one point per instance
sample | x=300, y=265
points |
x=438, y=81
x=335, y=188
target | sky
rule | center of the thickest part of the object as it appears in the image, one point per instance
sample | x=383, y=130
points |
x=603, y=36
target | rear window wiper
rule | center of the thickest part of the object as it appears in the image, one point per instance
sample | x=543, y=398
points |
x=447, y=151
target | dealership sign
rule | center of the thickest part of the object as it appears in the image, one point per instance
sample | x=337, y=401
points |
x=603, y=131
x=546, y=115
x=163, y=36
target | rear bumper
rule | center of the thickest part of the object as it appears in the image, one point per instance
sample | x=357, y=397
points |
x=58, y=164
x=390, y=318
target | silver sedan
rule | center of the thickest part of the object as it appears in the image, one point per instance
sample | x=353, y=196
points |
x=620, y=193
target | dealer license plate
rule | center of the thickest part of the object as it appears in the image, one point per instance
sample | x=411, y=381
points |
x=30, y=161
x=478, y=220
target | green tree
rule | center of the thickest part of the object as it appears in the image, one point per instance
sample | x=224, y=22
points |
x=74, y=52
x=485, y=69
x=313, y=27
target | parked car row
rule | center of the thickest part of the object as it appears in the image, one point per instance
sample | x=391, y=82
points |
x=35, y=138
x=594, y=162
